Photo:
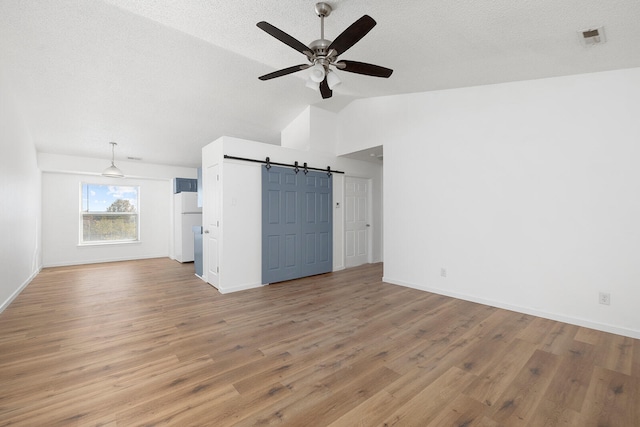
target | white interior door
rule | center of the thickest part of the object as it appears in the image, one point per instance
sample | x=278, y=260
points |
x=357, y=225
x=211, y=222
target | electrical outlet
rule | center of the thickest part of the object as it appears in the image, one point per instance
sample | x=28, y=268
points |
x=443, y=272
x=605, y=298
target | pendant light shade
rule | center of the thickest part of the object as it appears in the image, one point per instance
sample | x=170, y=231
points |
x=333, y=80
x=317, y=73
x=312, y=85
x=112, y=171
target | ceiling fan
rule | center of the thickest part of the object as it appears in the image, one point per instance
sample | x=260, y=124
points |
x=323, y=54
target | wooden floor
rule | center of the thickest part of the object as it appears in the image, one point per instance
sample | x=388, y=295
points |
x=148, y=343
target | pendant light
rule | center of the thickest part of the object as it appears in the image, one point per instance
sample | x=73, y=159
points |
x=112, y=171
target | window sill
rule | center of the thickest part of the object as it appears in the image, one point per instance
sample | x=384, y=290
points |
x=93, y=244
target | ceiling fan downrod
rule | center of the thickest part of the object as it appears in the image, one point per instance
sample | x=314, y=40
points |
x=319, y=47
x=323, y=10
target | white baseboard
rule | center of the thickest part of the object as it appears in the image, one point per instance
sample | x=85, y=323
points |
x=632, y=333
x=101, y=261
x=13, y=296
x=240, y=288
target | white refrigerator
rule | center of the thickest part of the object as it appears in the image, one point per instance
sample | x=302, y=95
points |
x=186, y=215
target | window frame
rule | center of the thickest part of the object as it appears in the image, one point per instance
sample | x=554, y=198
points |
x=82, y=213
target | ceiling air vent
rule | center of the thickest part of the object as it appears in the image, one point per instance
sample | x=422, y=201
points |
x=592, y=36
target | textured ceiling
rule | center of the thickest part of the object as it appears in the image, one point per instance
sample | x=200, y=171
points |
x=165, y=77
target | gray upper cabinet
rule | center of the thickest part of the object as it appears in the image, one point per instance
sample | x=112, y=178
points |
x=185, y=185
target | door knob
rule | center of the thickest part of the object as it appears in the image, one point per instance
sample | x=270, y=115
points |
x=206, y=231
x=368, y=225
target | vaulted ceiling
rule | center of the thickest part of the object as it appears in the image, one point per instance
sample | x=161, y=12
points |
x=163, y=78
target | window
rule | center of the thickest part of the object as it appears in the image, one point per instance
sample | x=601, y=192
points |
x=109, y=214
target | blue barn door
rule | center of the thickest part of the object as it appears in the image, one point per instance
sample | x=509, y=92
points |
x=280, y=225
x=316, y=222
x=297, y=225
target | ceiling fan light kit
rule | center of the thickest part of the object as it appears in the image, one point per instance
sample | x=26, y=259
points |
x=322, y=54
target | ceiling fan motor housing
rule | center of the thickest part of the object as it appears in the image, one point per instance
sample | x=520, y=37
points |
x=319, y=47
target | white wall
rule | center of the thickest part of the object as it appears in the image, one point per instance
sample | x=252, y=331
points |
x=313, y=130
x=20, y=247
x=297, y=133
x=323, y=131
x=240, y=232
x=61, y=181
x=527, y=193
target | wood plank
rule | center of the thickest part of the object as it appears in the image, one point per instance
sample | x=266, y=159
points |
x=493, y=381
x=536, y=331
x=589, y=336
x=369, y=413
x=611, y=400
x=425, y=407
x=569, y=386
x=615, y=352
x=551, y=413
x=461, y=411
x=517, y=405
x=560, y=338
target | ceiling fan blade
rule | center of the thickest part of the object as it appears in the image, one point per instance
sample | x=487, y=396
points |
x=324, y=89
x=364, y=68
x=284, y=37
x=352, y=35
x=284, y=71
